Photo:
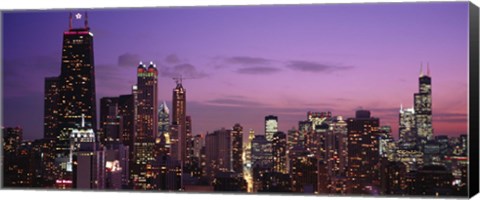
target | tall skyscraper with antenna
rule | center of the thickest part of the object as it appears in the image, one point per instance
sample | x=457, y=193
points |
x=423, y=107
x=71, y=95
x=179, y=117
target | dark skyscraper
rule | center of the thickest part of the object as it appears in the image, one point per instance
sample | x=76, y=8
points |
x=51, y=107
x=179, y=133
x=71, y=95
x=110, y=122
x=126, y=112
x=423, y=107
x=363, y=153
x=237, y=148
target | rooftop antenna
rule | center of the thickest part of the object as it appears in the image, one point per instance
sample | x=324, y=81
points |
x=70, y=21
x=86, y=20
x=428, y=69
x=421, y=69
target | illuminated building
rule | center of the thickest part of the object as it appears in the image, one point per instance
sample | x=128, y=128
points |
x=117, y=174
x=262, y=159
x=393, y=177
x=126, y=112
x=423, y=108
x=163, y=138
x=271, y=126
x=387, y=146
x=237, y=148
x=431, y=153
x=218, y=148
x=146, y=121
x=433, y=180
x=11, y=142
x=229, y=181
x=363, y=153
x=51, y=107
x=179, y=132
x=406, y=128
x=275, y=182
x=412, y=159
x=458, y=165
x=336, y=147
x=110, y=121
x=279, y=150
x=303, y=171
x=86, y=158
x=76, y=83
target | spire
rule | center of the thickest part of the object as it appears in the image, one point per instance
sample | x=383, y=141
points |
x=421, y=69
x=70, y=21
x=401, y=106
x=86, y=20
x=428, y=69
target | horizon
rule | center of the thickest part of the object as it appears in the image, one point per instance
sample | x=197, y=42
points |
x=256, y=61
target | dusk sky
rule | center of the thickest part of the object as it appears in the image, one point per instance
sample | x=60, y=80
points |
x=246, y=62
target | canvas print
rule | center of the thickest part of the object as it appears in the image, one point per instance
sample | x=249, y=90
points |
x=328, y=99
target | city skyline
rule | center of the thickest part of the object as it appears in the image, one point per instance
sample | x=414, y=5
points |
x=255, y=78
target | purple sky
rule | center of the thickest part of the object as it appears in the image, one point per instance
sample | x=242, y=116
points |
x=247, y=62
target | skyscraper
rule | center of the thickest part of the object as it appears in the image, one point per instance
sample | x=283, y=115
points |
x=271, y=126
x=71, y=95
x=218, y=148
x=406, y=128
x=237, y=148
x=279, y=150
x=146, y=119
x=179, y=132
x=363, y=153
x=110, y=121
x=51, y=107
x=423, y=107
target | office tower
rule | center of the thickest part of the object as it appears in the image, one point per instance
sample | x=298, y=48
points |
x=117, y=174
x=146, y=121
x=412, y=159
x=423, y=107
x=86, y=158
x=76, y=82
x=11, y=141
x=393, y=177
x=271, y=126
x=262, y=160
x=126, y=111
x=198, y=144
x=431, y=153
x=237, y=148
x=363, y=157
x=279, y=151
x=44, y=163
x=190, y=163
x=51, y=107
x=110, y=121
x=179, y=133
x=303, y=171
x=218, y=148
x=336, y=147
x=433, y=180
x=406, y=128
x=248, y=149
x=386, y=143
x=163, y=138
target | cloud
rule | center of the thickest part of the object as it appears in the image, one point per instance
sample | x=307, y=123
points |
x=258, y=70
x=128, y=60
x=230, y=101
x=172, y=59
x=307, y=66
x=246, y=60
x=450, y=117
x=184, y=70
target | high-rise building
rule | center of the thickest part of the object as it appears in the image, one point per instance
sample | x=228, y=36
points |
x=271, y=126
x=51, y=107
x=190, y=164
x=237, y=148
x=71, y=95
x=163, y=138
x=110, y=121
x=126, y=111
x=218, y=151
x=179, y=117
x=406, y=128
x=279, y=151
x=363, y=153
x=423, y=107
x=146, y=121
x=336, y=148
